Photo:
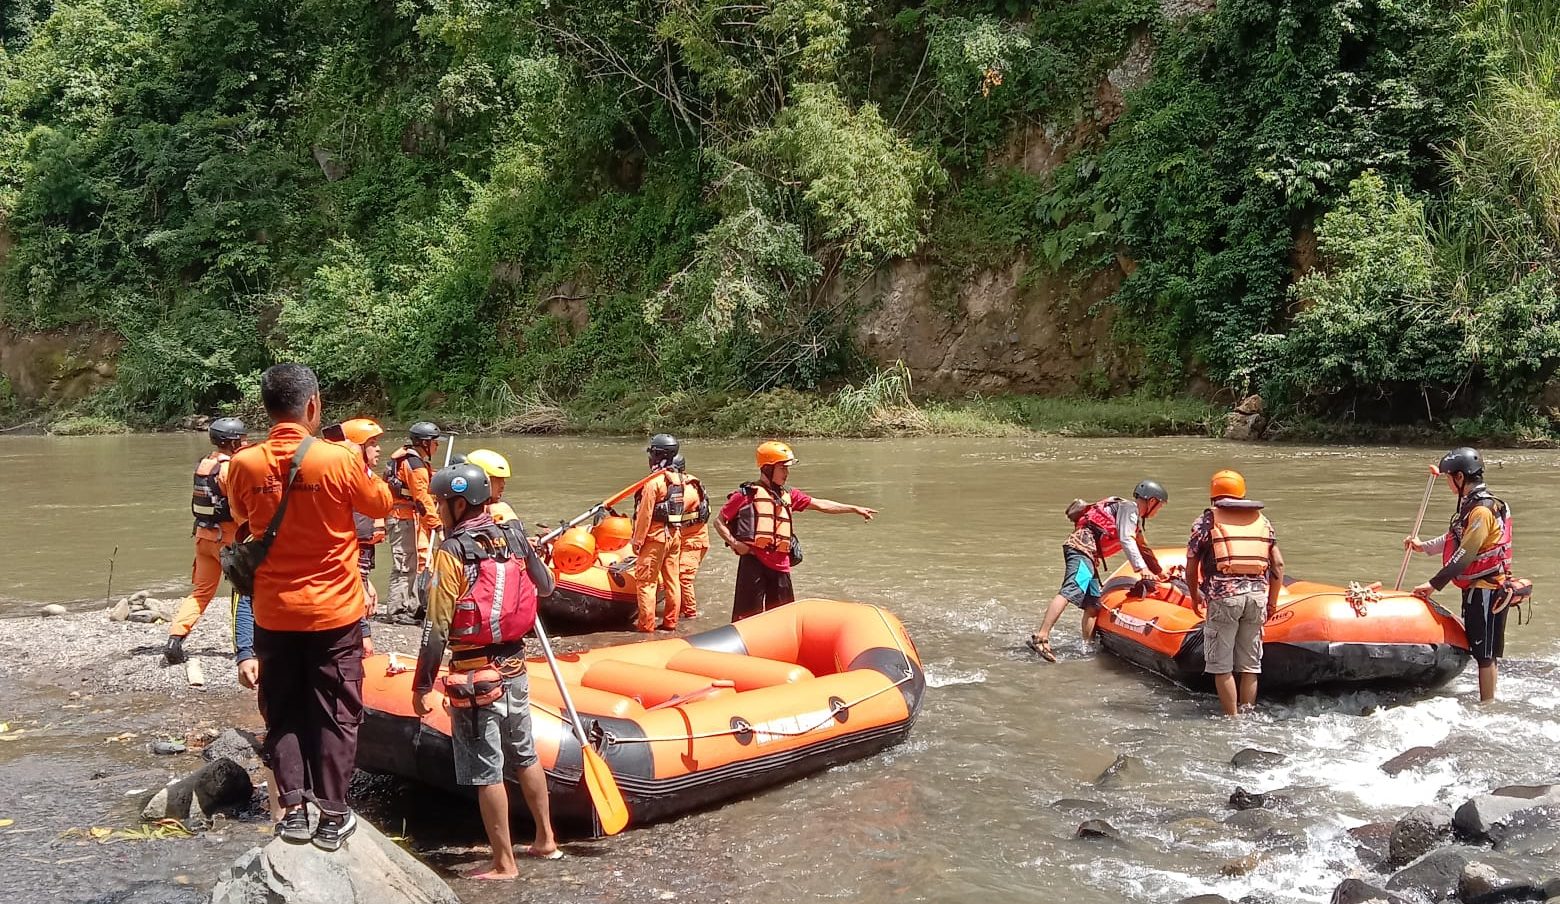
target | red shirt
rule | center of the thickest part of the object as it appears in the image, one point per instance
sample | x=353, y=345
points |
x=310, y=580
x=769, y=558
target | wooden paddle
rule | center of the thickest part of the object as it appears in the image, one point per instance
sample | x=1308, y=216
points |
x=1418, y=523
x=611, y=808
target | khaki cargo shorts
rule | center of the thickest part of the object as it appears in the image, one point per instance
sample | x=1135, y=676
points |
x=1232, y=633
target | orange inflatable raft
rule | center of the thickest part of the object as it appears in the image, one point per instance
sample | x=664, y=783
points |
x=603, y=597
x=1321, y=635
x=688, y=722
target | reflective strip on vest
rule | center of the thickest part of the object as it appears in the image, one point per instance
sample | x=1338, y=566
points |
x=496, y=614
x=1494, y=559
x=1243, y=548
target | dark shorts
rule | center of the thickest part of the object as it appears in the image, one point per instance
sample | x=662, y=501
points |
x=1081, y=586
x=759, y=588
x=1486, y=630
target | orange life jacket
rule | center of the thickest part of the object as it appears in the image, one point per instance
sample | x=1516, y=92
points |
x=1242, y=541
x=399, y=480
x=1495, y=558
x=672, y=511
x=209, y=503
x=764, y=521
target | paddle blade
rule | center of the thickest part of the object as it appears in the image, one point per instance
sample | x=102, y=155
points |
x=611, y=808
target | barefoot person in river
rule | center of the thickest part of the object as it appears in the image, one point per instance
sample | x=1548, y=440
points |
x=1234, y=572
x=1476, y=556
x=307, y=658
x=1101, y=530
x=480, y=592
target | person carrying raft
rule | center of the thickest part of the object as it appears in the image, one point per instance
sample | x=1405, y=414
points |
x=1476, y=556
x=214, y=531
x=1234, y=572
x=480, y=593
x=1100, y=531
x=755, y=523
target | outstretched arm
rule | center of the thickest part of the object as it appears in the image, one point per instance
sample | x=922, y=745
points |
x=830, y=507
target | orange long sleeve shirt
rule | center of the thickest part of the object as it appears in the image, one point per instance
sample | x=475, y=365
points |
x=309, y=580
x=416, y=480
x=645, y=524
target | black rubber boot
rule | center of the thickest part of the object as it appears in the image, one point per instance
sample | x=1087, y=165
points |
x=173, y=653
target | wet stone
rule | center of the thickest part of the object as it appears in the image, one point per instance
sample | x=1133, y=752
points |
x=53, y=610
x=1097, y=828
x=1205, y=899
x=1253, y=758
x=1251, y=800
x=1480, y=816
x=1434, y=875
x=1418, y=833
x=1492, y=877
x=1413, y=758
x=1073, y=803
x=1126, y=770
x=1356, y=891
x=1531, y=833
x=1252, y=820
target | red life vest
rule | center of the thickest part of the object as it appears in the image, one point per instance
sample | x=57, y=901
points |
x=499, y=606
x=1101, y=518
x=1492, y=560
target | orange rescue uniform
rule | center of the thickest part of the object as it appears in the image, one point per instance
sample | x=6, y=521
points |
x=206, y=573
x=695, y=542
x=658, y=549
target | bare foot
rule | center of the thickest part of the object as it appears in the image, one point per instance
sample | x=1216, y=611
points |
x=494, y=872
x=531, y=850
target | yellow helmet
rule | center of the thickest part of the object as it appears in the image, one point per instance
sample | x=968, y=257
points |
x=494, y=464
x=775, y=453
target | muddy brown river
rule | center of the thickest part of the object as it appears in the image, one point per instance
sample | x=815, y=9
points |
x=965, y=551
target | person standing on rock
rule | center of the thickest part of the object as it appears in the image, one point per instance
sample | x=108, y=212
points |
x=365, y=433
x=694, y=539
x=412, y=521
x=480, y=593
x=307, y=602
x=1234, y=573
x=1100, y=531
x=214, y=530
x=661, y=509
x=755, y=523
x=1476, y=556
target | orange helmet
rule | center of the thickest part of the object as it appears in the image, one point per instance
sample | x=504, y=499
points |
x=361, y=430
x=775, y=453
x=575, y=551
x=613, y=532
x=1227, y=484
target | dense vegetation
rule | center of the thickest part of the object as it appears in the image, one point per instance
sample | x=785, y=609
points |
x=484, y=203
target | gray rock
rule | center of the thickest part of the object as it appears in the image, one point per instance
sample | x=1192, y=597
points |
x=369, y=867
x=145, y=617
x=139, y=595
x=1355, y=891
x=1434, y=875
x=53, y=610
x=1250, y=800
x=1073, y=803
x=1097, y=828
x=1126, y=770
x=239, y=746
x=1493, y=877
x=1244, y=427
x=1205, y=899
x=1413, y=758
x=1421, y=831
x=1480, y=816
x=168, y=748
x=165, y=609
x=1255, y=820
x=1372, y=842
x=1252, y=758
x=120, y=610
x=1531, y=833
x=220, y=783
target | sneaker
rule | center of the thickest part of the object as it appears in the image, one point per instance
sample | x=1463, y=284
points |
x=294, y=827
x=334, y=829
x=173, y=651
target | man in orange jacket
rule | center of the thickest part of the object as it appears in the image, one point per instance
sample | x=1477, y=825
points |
x=660, y=511
x=413, y=520
x=307, y=604
x=694, y=538
x=214, y=529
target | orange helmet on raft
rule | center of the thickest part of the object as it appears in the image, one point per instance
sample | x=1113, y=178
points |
x=1227, y=484
x=775, y=453
x=575, y=551
x=613, y=532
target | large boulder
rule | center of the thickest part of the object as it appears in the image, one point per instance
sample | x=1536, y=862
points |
x=1356, y=891
x=1492, y=877
x=368, y=867
x=1421, y=831
x=1482, y=815
x=218, y=784
x=1531, y=833
x=241, y=747
x=1434, y=876
x=1414, y=758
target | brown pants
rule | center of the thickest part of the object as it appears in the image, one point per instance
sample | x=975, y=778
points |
x=655, y=568
x=695, y=546
x=205, y=576
x=311, y=698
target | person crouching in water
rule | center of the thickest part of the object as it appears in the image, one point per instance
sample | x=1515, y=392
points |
x=480, y=592
x=1476, y=556
x=1101, y=530
x=1234, y=573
